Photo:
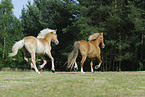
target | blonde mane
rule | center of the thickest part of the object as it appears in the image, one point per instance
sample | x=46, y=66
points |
x=44, y=32
x=93, y=37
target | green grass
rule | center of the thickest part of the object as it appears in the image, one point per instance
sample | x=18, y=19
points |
x=70, y=84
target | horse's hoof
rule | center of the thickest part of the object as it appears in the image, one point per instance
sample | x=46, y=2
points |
x=38, y=72
x=82, y=72
x=40, y=67
x=53, y=71
x=96, y=67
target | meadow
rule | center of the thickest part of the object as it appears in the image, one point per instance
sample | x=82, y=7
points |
x=71, y=84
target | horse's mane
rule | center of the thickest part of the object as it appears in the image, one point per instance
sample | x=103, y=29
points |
x=93, y=36
x=44, y=32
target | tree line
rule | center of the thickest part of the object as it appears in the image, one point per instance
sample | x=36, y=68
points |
x=122, y=21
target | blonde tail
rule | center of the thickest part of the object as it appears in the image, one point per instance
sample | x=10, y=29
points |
x=18, y=45
x=73, y=56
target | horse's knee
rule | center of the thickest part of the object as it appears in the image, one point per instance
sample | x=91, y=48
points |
x=52, y=59
x=33, y=61
x=45, y=61
x=100, y=61
x=26, y=59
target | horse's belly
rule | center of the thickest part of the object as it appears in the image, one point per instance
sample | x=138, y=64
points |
x=91, y=55
x=40, y=50
x=93, y=52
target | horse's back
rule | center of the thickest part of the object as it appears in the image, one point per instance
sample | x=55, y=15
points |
x=30, y=39
x=84, y=47
x=84, y=43
x=30, y=42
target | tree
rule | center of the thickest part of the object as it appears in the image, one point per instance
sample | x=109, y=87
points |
x=10, y=31
x=122, y=22
x=53, y=14
x=124, y=25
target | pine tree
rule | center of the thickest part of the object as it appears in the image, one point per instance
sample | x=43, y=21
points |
x=120, y=20
x=10, y=31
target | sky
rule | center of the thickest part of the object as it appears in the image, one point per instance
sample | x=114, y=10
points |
x=18, y=6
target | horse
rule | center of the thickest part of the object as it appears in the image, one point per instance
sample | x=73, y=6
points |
x=42, y=34
x=37, y=46
x=88, y=50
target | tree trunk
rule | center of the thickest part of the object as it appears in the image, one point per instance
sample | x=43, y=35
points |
x=4, y=44
x=120, y=52
x=4, y=49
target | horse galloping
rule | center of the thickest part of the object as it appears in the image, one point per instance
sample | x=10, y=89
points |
x=39, y=46
x=88, y=50
x=42, y=34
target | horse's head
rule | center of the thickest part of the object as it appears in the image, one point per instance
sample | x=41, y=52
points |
x=54, y=38
x=102, y=40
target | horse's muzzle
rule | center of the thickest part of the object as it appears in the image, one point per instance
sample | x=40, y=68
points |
x=57, y=42
x=103, y=46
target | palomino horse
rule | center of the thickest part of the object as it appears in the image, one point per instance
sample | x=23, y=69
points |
x=42, y=34
x=88, y=50
x=39, y=46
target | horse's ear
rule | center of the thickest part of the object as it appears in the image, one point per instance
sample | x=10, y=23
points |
x=101, y=33
x=55, y=31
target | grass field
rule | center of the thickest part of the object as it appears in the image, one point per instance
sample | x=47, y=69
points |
x=72, y=84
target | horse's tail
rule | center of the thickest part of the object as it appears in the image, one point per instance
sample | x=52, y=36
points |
x=73, y=56
x=18, y=45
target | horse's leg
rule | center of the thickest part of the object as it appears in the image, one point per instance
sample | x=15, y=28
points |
x=34, y=62
x=76, y=66
x=52, y=60
x=82, y=62
x=98, y=66
x=41, y=66
x=91, y=64
x=25, y=58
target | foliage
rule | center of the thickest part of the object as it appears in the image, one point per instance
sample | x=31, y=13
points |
x=10, y=31
x=122, y=22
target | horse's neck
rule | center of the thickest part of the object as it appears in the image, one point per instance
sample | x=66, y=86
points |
x=96, y=42
x=48, y=38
